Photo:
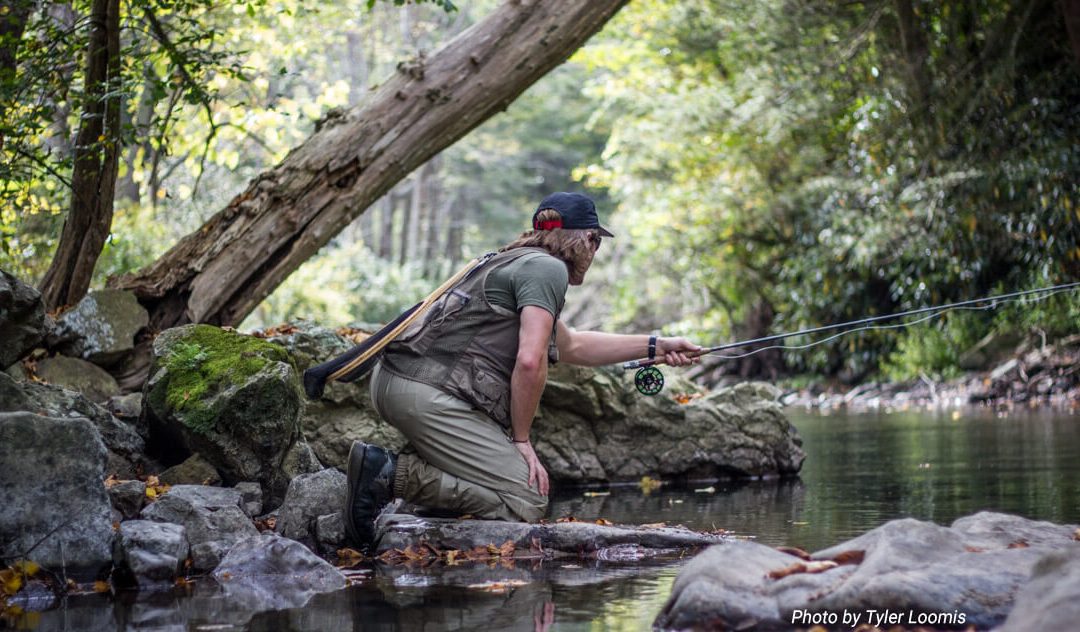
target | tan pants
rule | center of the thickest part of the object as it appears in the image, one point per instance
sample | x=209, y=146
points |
x=458, y=458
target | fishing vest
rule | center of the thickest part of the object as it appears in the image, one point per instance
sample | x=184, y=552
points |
x=464, y=345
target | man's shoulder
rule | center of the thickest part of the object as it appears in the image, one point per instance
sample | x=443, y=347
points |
x=541, y=264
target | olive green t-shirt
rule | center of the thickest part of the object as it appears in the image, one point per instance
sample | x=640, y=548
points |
x=539, y=280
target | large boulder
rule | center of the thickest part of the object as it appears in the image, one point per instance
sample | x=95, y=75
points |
x=234, y=399
x=344, y=413
x=928, y=575
x=594, y=427
x=211, y=516
x=22, y=319
x=101, y=328
x=125, y=445
x=78, y=375
x=1051, y=600
x=55, y=507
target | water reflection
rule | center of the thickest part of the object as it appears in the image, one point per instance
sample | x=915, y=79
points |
x=863, y=470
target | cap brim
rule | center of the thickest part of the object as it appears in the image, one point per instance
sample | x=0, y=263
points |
x=605, y=232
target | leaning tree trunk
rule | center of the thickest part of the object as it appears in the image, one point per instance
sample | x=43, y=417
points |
x=220, y=272
x=97, y=157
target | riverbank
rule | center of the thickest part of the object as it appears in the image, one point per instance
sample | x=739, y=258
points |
x=1044, y=377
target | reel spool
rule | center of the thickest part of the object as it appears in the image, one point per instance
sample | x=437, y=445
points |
x=649, y=380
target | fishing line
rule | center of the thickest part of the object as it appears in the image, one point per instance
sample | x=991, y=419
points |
x=873, y=327
x=650, y=381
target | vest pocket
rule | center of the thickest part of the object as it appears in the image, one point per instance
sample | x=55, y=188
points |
x=492, y=396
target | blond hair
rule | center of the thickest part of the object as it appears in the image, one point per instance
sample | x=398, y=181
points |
x=570, y=245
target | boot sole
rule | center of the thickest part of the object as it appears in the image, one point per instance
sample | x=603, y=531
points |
x=356, y=466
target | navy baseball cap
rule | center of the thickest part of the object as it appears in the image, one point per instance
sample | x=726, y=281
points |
x=577, y=211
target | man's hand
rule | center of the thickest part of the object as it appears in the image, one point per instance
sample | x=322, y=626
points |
x=537, y=473
x=677, y=351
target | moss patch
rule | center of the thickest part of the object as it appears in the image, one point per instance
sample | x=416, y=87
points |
x=209, y=361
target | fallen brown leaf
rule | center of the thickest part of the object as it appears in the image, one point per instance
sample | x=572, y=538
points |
x=803, y=567
x=1019, y=544
x=792, y=550
x=853, y=556
x=653, y=525
x=1076, y=535
x=604, y=523
x=686, y=398
x=507, y=549
x=349, y=556
x=101, y=586
x=973, y=549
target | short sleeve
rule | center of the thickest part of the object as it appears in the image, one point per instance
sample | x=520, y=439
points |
x=541, y=281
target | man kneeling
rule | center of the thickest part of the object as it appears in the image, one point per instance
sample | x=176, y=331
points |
x=463, y=382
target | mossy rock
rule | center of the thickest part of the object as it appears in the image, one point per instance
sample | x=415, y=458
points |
x=234, y=399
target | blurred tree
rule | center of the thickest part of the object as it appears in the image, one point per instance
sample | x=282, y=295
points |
x=221, y=272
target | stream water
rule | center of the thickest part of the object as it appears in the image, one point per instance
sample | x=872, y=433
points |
x=860, y=472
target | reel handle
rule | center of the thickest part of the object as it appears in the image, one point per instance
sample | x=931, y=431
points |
x=644, y=363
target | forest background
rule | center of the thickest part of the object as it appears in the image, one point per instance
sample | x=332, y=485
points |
x=766, y=166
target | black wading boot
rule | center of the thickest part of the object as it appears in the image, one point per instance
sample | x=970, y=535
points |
x=371, y=487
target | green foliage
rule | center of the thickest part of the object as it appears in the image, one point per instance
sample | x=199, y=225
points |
x=799, y=156
x=445, y=5
x=932, y=349
x=347, y=285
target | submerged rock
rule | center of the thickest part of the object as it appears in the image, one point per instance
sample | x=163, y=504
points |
x=101, y=328
x=55, y=509
x=966, y=574
x=231, y=398
x=211, y=517
x=22, y=319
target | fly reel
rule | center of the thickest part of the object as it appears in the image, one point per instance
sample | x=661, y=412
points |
x=649, y=380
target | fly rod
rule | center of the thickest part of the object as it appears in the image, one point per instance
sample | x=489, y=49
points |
x=649, y=380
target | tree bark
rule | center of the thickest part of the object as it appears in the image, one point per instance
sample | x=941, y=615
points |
x=97, y=156
x=219, y=273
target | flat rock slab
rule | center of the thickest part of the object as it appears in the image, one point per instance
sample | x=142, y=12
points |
x=585, y=540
